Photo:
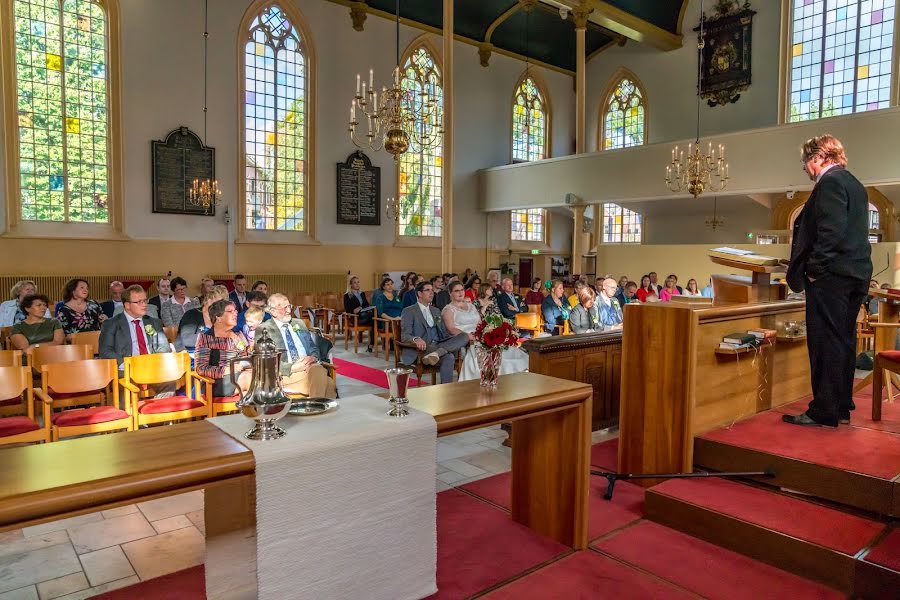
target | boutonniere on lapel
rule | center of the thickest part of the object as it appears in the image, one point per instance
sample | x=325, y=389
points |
x=615, y=303
x=149, y=330
x=296, y=327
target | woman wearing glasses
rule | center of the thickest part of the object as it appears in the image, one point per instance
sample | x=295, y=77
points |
x=218, y=345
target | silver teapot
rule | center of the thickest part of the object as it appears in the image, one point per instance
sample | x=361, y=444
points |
x=265, y=401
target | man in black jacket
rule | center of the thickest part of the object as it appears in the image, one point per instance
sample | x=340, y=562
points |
x=831, y=260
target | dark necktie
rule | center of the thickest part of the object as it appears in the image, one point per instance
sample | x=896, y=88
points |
x=289, y=341
x=139, y=335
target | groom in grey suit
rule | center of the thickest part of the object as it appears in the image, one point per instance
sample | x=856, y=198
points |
x=132, y=331
x=421, y=324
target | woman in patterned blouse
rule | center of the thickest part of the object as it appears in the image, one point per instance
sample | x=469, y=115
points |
x=218, y=345
x=78, y=312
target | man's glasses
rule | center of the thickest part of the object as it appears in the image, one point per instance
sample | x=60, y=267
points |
x=144, y=301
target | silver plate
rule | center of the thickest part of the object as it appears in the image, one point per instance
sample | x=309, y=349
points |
x=312, y=406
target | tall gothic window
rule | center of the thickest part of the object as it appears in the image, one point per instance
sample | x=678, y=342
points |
x=620, y=225
x=276, y=123
x=528, y=225
x=529, y=122
x=62, y=102
x=840, y=57
x=623, y=116
x=421, y=168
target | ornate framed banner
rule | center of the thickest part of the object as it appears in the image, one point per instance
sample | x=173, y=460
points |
x=728, y=37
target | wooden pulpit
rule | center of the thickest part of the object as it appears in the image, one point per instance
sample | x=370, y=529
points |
x=757, y=288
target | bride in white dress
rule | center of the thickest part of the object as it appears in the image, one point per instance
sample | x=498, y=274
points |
x=462, y=316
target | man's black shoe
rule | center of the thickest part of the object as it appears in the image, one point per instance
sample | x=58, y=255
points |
x=844, y=418
x=804, y=419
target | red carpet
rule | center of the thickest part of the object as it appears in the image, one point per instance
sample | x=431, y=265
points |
x=480, y=546
x=603, y=516
x=360, y=372
x=705, y=569
x=862, y=416
x=856, y=449
x=887, y=552
x=587, y=576
x=189, y=584
x=605, y=455
x=803, y=520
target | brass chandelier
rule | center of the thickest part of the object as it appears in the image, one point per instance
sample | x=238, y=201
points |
x=698, y=172
x=398, y=117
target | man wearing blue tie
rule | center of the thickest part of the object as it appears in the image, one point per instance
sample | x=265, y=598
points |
x=510, y=303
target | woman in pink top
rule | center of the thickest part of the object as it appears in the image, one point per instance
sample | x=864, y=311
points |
x=668, y=290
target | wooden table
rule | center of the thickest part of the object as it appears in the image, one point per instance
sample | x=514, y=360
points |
x=885, y=334
x=551, y=455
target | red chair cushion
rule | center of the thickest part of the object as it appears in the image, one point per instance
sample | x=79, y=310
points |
x=226, y=400
x=164, y=405
x=88, y=416
x=11, y=401
x=16, y=425
x=891, y=355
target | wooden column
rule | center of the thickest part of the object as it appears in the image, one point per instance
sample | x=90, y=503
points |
x=578, y=245
x=598, y=227
x=447, y=168
x=580, y=16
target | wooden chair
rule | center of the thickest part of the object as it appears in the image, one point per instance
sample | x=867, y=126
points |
x=336, y=304
x=12, y=405
x=45, y=355
x=886, y=362
x=419, y=367
x=220, y=405
x=146, y=370
x=387, y=334
x=352, y=328
x=5, y=344
x=171, y=333
x=530, y=322
x=90, y=338
x=10, y=358
x=15, y=383
x=865, y=334
x=63, y=384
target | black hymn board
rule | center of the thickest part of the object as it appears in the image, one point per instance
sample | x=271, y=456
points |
x=177, y=161
x=358, y=191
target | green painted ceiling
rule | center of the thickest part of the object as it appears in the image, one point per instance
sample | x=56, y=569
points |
x=550, y=39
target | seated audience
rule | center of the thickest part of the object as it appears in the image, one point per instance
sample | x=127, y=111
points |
x=421, y=324
x=252, y=318
x=132, y=332
x=410, y=296
x=173, y=310
x=623, y=281
x=254, y=300
x=677, y=287
x=388, y=302
x=466, y=276
x=487, y=300
x=653, y=279
x=707, y=292
x=535, y=295
x=585, y=317
x=163, y=294
x=260, y=286
x=872, y=301
x=217, y=346
x=669, y=289
x=442, y=298
x=300, y=369
x=494, y=280
x=197, y=320
x=36, y=329
x=885, y=286
x=377, y=291
x=78, y=312
x=239, y=294
x=355, y=303
x=11, y=311
x=691, y=291
x=115, y=299
x=473, y=287
x=555, y=309
x=510, y=303
x=628, y=295
x=647, y=291
x=608, y=306
x=574, y=298
x=206, y=286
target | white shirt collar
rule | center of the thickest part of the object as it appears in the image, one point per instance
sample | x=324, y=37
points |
x=426, y=313
x=824, y=170
x=131, y=317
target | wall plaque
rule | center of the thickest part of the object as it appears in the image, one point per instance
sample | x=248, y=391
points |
x=726, y=53
x=358, y=191
x=176, y=162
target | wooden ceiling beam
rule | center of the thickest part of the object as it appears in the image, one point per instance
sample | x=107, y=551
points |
x=626, y=24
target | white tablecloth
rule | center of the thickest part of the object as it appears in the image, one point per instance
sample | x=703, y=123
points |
x=345, y=504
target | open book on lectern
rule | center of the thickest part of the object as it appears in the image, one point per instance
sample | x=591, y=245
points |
x=743, y=256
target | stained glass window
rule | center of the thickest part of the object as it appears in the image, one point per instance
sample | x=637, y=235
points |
x=275, y=123
x=421, y=168
x=620, y=225
x=529, y=117
x=840, y=57
x=527, y=225
x=623, y=116
x=62, y=83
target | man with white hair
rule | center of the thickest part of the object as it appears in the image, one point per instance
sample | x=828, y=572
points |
x=510, y=303
x=609, y=308
x=115, y=299
x=301, y=370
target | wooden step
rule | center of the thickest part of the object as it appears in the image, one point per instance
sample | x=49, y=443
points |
x=801, y=537
x=878, y=570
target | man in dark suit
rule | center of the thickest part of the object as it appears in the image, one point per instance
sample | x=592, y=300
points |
x=132, y=332
x=831, y=261
x=163, y=293
x=115, y=299
x=301, y=356
x=239, y=294
x=509, y=302
x=442, y=298
x=422, y=325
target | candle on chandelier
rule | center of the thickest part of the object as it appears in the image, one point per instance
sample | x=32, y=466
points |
x=352, y=111
x=357, y=85
x=721, y=151
x=371, y=78
x=726, y=170
x=375, y=101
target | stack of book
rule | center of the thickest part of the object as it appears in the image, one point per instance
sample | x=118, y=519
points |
x=764, y=335
x=739, y=341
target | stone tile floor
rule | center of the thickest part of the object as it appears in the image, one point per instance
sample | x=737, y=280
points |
x=86, y=555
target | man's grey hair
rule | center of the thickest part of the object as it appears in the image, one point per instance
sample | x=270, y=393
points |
x=274, y=297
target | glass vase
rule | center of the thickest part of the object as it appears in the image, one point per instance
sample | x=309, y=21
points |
x=489, y=363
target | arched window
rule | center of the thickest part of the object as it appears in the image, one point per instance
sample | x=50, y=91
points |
x=530, y=119
x=840, y=54
x=620, y=225
x=63, y=77
x=421, y=168
x=277, y=119
x=528, y=225
x=623, y=114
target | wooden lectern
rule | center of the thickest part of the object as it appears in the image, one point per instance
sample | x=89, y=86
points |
x=735, y=289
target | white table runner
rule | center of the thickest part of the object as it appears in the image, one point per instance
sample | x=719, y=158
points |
x=345, y=504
